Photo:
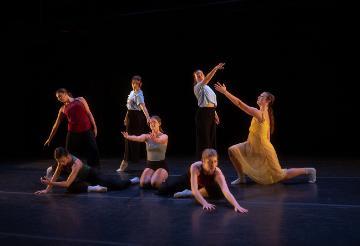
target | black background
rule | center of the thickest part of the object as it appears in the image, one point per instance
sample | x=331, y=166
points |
x=94, y=47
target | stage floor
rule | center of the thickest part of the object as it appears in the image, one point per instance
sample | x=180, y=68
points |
x=290, y=213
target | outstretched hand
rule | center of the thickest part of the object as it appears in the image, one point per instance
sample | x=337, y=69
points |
x=209, y=207
x=47, y=143
x=220, y=87
x=220, y=66
x=125, y=134
x=40, y=192
x=240, y=209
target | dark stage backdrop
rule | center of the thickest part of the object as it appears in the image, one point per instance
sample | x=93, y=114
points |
x=93, y=48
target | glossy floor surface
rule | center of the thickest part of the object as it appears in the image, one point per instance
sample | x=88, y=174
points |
x=289, y=213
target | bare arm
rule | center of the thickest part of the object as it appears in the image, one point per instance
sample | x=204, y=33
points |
x=49, y=185
x=211, y=74
x=194, y=185
x=220, y=180
x=217, y=119
x=91, y=117
x=146, y=113
x=74, y=172
x=237, y=102
x=134, y=138
x=126, y=119
x=55, y=127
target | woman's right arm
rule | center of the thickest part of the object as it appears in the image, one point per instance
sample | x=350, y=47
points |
x=55, y=126
x=134, y=138
x=53, y=179
x=195, y=191
x=126, y=119
x=211, y=74
x=237, y=102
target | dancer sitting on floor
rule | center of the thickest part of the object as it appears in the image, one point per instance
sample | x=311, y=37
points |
x=205, y=179
x=257, y=157
x=81, y=177
x=156, y=141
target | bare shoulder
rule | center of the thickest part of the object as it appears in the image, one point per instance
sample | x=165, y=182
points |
x=218, y=172
x=195, y=167
x=80, y=99
x=78, y=163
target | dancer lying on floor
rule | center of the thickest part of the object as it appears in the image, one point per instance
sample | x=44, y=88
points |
x=205, y=179
x=81, y=177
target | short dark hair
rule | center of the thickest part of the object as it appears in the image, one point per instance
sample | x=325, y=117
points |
x=60, y=152
x=136, y=77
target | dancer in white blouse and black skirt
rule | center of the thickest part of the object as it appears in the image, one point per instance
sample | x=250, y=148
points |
x=135, y=121
x=206, y=117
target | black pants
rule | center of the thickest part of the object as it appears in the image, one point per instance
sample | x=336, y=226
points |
x=96, y=178
x=169, y=187
x=205, y=130
x=155, y=165
x=83, y=145
x=136, y=125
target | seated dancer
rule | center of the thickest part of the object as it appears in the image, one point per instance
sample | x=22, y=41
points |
x=156, y=141
x=81, y=178
x=257, y=157
x=205, y=179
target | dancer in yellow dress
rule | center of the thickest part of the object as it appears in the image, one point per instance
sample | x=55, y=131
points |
x=257, y=157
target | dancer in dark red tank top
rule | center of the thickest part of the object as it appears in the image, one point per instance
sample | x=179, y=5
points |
x=204, y=179
x=82, y=129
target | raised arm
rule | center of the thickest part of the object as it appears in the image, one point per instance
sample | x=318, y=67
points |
x=220, y=179
x=194, y=188
x=134, y=138
x=211, y=74
x=91, y=117
x=55, y=127
x=237, y=102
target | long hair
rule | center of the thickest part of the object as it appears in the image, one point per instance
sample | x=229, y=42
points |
x=271, y=99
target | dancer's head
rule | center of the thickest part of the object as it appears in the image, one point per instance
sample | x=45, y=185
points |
x=136, y=82
x=155, y=123
x=62, y=156
x=209, y=160
x=63, y=95
x=198, y=76
x=267, y=99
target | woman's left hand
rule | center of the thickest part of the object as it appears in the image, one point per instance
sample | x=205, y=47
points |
x=220, y=87
x=95, y=132
x=125, y=134
x=45, y=180
x=217, y=119
x=240, y=209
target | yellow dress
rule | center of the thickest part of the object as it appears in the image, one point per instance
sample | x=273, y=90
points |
x=257, y=156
